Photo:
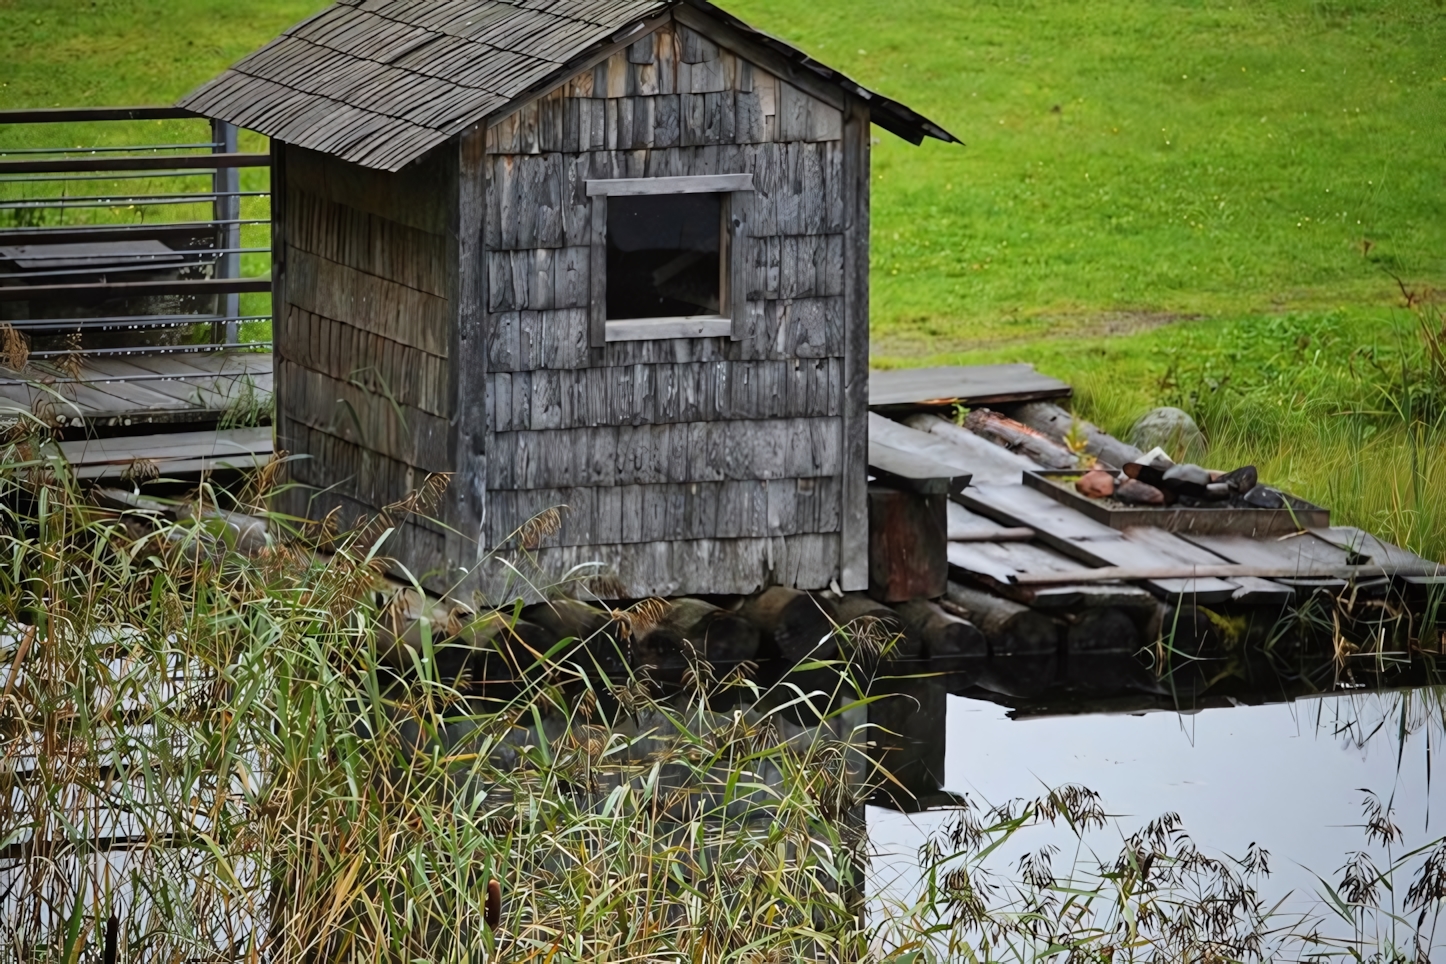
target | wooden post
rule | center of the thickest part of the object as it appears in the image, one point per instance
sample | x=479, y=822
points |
x=854, y=541
x=226, y=184
x=467, y=359
x=908, y=545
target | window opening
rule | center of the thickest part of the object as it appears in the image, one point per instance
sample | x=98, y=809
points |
x=665, y=256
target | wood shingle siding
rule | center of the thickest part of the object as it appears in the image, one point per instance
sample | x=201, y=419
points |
x=443, y=171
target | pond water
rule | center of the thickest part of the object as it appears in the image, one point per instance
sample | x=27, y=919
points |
x=1288, y=776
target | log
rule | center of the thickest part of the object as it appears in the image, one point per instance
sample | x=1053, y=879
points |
x=1020, y=439
x=1012, y=629
x=1102, y=630
x=1054, y=422
x=908, y=545
x=945, y=636
x=1184, y=632
x=493, y=647
x=872, y=626
x=792, y=624
x=715, y=633
x=601, y=639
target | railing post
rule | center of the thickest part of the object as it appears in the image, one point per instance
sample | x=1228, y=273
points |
x=227, y=185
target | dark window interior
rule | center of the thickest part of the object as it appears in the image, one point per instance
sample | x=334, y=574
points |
x=663, y=255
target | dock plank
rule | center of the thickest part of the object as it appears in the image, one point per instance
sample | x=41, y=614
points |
x=125, y=388
x=964, y=384
x=172, y=453
x=1091, y=542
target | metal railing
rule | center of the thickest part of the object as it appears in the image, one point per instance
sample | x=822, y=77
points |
x=190, y=257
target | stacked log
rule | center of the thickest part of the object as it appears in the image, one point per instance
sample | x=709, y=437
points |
x=694, y=628
x=1052, y=421
x=1020, y=439
x=793, y=625
x=1102, y=630
x=873, y=629
x=1012, y=629
x=946, y=637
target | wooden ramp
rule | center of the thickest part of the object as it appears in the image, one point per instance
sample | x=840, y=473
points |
x=142, y=457
x=965, y=384
x=133, y=388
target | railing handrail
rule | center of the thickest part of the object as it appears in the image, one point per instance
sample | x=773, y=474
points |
x=69, y=115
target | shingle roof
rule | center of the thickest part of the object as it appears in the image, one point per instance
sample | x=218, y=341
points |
x=382, y=82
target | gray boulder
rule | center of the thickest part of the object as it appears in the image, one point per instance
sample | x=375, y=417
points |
x=1171, y=429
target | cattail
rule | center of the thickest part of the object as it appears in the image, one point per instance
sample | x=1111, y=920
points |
x=494, y=904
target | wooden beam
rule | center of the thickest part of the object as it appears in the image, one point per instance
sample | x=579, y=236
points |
x=692, y=184
x=130, y=289
x=648, y=329
x=1227, y=571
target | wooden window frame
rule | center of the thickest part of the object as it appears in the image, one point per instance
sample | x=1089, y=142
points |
x=728, y=322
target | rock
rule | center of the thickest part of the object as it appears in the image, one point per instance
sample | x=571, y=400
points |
x=1242, y=480
x=1168, y=428
x=1189, y=474
x=1264, y=497
x=1095, y=484
x=1136, y=492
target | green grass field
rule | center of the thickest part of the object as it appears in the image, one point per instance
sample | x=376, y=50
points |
x=1163, y=202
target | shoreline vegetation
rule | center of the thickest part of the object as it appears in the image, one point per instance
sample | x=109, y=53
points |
x=1205, y=205
x=229, y=754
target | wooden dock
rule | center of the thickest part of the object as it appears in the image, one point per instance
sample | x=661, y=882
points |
x=136, y=388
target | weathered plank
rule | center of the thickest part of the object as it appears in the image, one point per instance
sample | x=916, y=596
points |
x=387, y=368
x=1082, y=538
x=966, y=384
x=907, y=545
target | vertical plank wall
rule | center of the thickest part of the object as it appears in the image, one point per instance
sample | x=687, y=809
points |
x=687, y=465
x=365, y=318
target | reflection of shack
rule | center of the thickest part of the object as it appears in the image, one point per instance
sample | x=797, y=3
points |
x=613, y=258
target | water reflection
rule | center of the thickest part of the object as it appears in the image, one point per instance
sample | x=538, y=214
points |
x=1290, y=776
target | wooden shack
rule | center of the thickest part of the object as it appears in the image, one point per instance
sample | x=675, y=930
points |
x=604, y=256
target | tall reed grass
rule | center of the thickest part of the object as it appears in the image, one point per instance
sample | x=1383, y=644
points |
x=213, y=750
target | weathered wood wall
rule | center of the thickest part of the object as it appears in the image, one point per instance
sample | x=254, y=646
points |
x=365, y=306
x=687, y=465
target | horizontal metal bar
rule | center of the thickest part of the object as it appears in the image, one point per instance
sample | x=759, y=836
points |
x=128, y=378
x=155, y=162
x=150, y=349
x=124, y=322
x=61, y=178
x=134, y=256
x=128, y=200
x=116, y=232
x=129, y=289
x=65, y=115
x=93, y=270
x=203, y=146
